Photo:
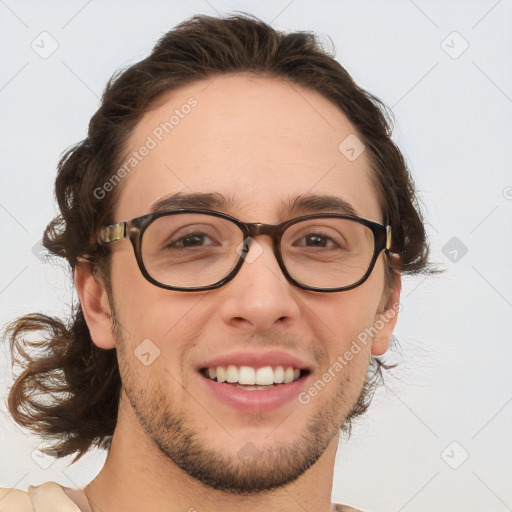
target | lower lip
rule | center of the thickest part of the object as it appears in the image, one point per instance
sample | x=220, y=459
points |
x=256, y=400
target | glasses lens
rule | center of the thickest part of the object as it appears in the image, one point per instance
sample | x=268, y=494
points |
x=327, y=252
x=189, y=250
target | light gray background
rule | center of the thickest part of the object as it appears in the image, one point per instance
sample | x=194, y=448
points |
x=453, y=111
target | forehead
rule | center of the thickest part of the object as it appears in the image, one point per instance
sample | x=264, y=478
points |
x=259, y=142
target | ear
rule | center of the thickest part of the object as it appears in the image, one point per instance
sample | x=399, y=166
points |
x=94, y=301
x=386, y=318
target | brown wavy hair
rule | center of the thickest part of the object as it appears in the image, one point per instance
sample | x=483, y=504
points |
x=68, y=389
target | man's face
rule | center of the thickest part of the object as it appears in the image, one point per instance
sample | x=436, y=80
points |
x=261, y=142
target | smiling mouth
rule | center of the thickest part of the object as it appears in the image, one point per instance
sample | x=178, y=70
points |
x=250, y=378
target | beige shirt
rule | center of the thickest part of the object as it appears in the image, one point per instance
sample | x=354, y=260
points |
x=53, y=497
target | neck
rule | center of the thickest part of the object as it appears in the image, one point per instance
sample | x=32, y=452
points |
x=137, y=476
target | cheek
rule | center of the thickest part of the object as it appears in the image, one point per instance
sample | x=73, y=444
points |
x=143, y=309
x=159, y=327
x=171, y=323
x=345, y=322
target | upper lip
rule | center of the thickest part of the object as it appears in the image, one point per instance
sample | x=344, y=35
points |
x=257, y=360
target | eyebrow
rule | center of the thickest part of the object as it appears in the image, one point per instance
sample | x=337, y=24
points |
x=212, y=200
x=302, y=204
x=312, y=203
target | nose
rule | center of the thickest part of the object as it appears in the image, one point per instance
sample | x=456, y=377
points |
x=259, y=296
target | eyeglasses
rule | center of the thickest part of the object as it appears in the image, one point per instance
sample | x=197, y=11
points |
x=195, y=249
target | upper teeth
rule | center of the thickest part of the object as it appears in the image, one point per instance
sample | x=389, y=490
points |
x=264, y=376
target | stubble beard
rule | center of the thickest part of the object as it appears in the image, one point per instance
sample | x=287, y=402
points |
x=251, y=470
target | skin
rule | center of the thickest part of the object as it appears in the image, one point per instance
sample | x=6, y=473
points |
x=259, y=140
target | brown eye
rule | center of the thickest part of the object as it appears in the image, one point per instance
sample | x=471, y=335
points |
x=192, y=240
x=317, y=240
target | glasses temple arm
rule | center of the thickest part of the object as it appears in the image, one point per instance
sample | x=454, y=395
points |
x=112, y=233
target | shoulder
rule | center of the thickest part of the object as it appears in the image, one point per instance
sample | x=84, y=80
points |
x=340, y=508
x=46, y=497
x=14, y=500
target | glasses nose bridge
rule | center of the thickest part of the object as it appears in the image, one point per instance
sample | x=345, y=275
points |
x=255, y=229
x=258, y=228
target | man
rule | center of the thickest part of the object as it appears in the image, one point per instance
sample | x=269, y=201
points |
x=237, y=221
